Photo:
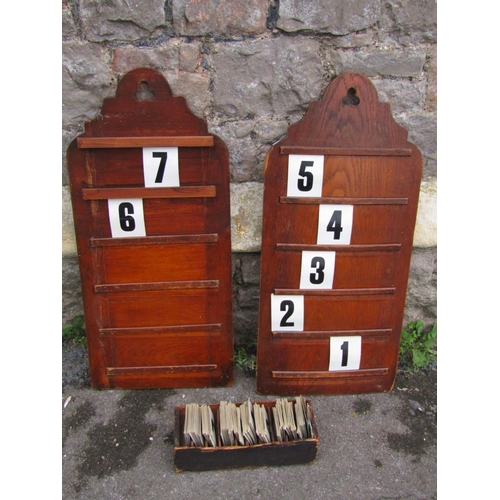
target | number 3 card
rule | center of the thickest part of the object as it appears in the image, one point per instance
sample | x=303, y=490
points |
x=317, y=270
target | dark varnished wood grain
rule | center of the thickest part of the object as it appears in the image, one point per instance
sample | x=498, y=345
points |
x=369, y=164
x=158, y=308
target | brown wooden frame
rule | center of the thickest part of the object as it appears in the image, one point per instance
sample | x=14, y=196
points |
x=368, y=163
x=158, y=308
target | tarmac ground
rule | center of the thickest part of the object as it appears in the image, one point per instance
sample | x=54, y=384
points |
x=119, y=444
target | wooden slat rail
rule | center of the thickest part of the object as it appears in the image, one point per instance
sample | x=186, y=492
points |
x=158, y=330
x=140, y=142
x=173, y=239
x=340, y=292
x=297, y=247
x=370, y=372
x=142, y=192
x=157, y=285
x=315, y=150
x=137, y=370
x=343, y=201
x=373, y=334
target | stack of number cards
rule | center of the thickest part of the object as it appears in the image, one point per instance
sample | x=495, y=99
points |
x=247, y=424
x=199, y=425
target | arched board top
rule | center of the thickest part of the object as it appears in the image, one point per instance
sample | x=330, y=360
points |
x=144, y=106
x=348, y=115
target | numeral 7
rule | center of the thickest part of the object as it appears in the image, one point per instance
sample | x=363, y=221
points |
x=163, y=162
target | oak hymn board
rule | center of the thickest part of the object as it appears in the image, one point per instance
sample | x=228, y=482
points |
x=150, y=194
x=340, y=203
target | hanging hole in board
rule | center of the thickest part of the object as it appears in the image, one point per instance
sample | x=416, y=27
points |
x=144, y=93
x=351, y=97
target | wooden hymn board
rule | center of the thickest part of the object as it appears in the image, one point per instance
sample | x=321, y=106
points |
x=150, y=194
x=340, y=202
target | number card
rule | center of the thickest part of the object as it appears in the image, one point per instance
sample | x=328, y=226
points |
x=345, y=353
x=126, y=218
x=335, y=224
x=161, y=166
x=287, y=313
x=305, y=175
x=317, y=270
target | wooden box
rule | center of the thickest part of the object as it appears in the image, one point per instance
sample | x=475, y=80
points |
x=275, y=453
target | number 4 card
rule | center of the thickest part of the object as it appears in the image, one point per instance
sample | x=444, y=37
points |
x=335, y=224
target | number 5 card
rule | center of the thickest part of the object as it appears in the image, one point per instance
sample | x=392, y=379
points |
x=305, y=175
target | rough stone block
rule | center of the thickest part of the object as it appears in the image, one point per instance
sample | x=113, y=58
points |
x=399, y=63
x=422, y=131
x=192, y=86
x=246, y=216
x=68, y=227
x=128, y=57
x=405, y=96
x=426, y=225
x=415, y=20
x=121, y=19
x=220, y=17
x=86, y=81
x=338, y=17
x=243, y=152
x=266, y=77
x=72, y=304
x=421, y=297
x=69, y=29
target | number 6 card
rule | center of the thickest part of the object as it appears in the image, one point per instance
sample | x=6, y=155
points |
x=126, y=218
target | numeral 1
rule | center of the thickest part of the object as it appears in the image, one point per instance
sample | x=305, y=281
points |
x=345, y=353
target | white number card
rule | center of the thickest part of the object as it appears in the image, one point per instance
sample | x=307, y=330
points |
x=161, y=166
x=126, y=218
x=335, y=224
x=317, y=270
x=305, y=175
x=345, y=353
x=287, y=313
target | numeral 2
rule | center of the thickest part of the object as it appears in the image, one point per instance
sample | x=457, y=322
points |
x=287, y=313
x=287, y=305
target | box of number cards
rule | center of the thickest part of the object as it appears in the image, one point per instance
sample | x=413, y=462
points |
x=249, y=434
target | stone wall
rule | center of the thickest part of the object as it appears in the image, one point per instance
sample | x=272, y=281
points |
x=250, y=69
